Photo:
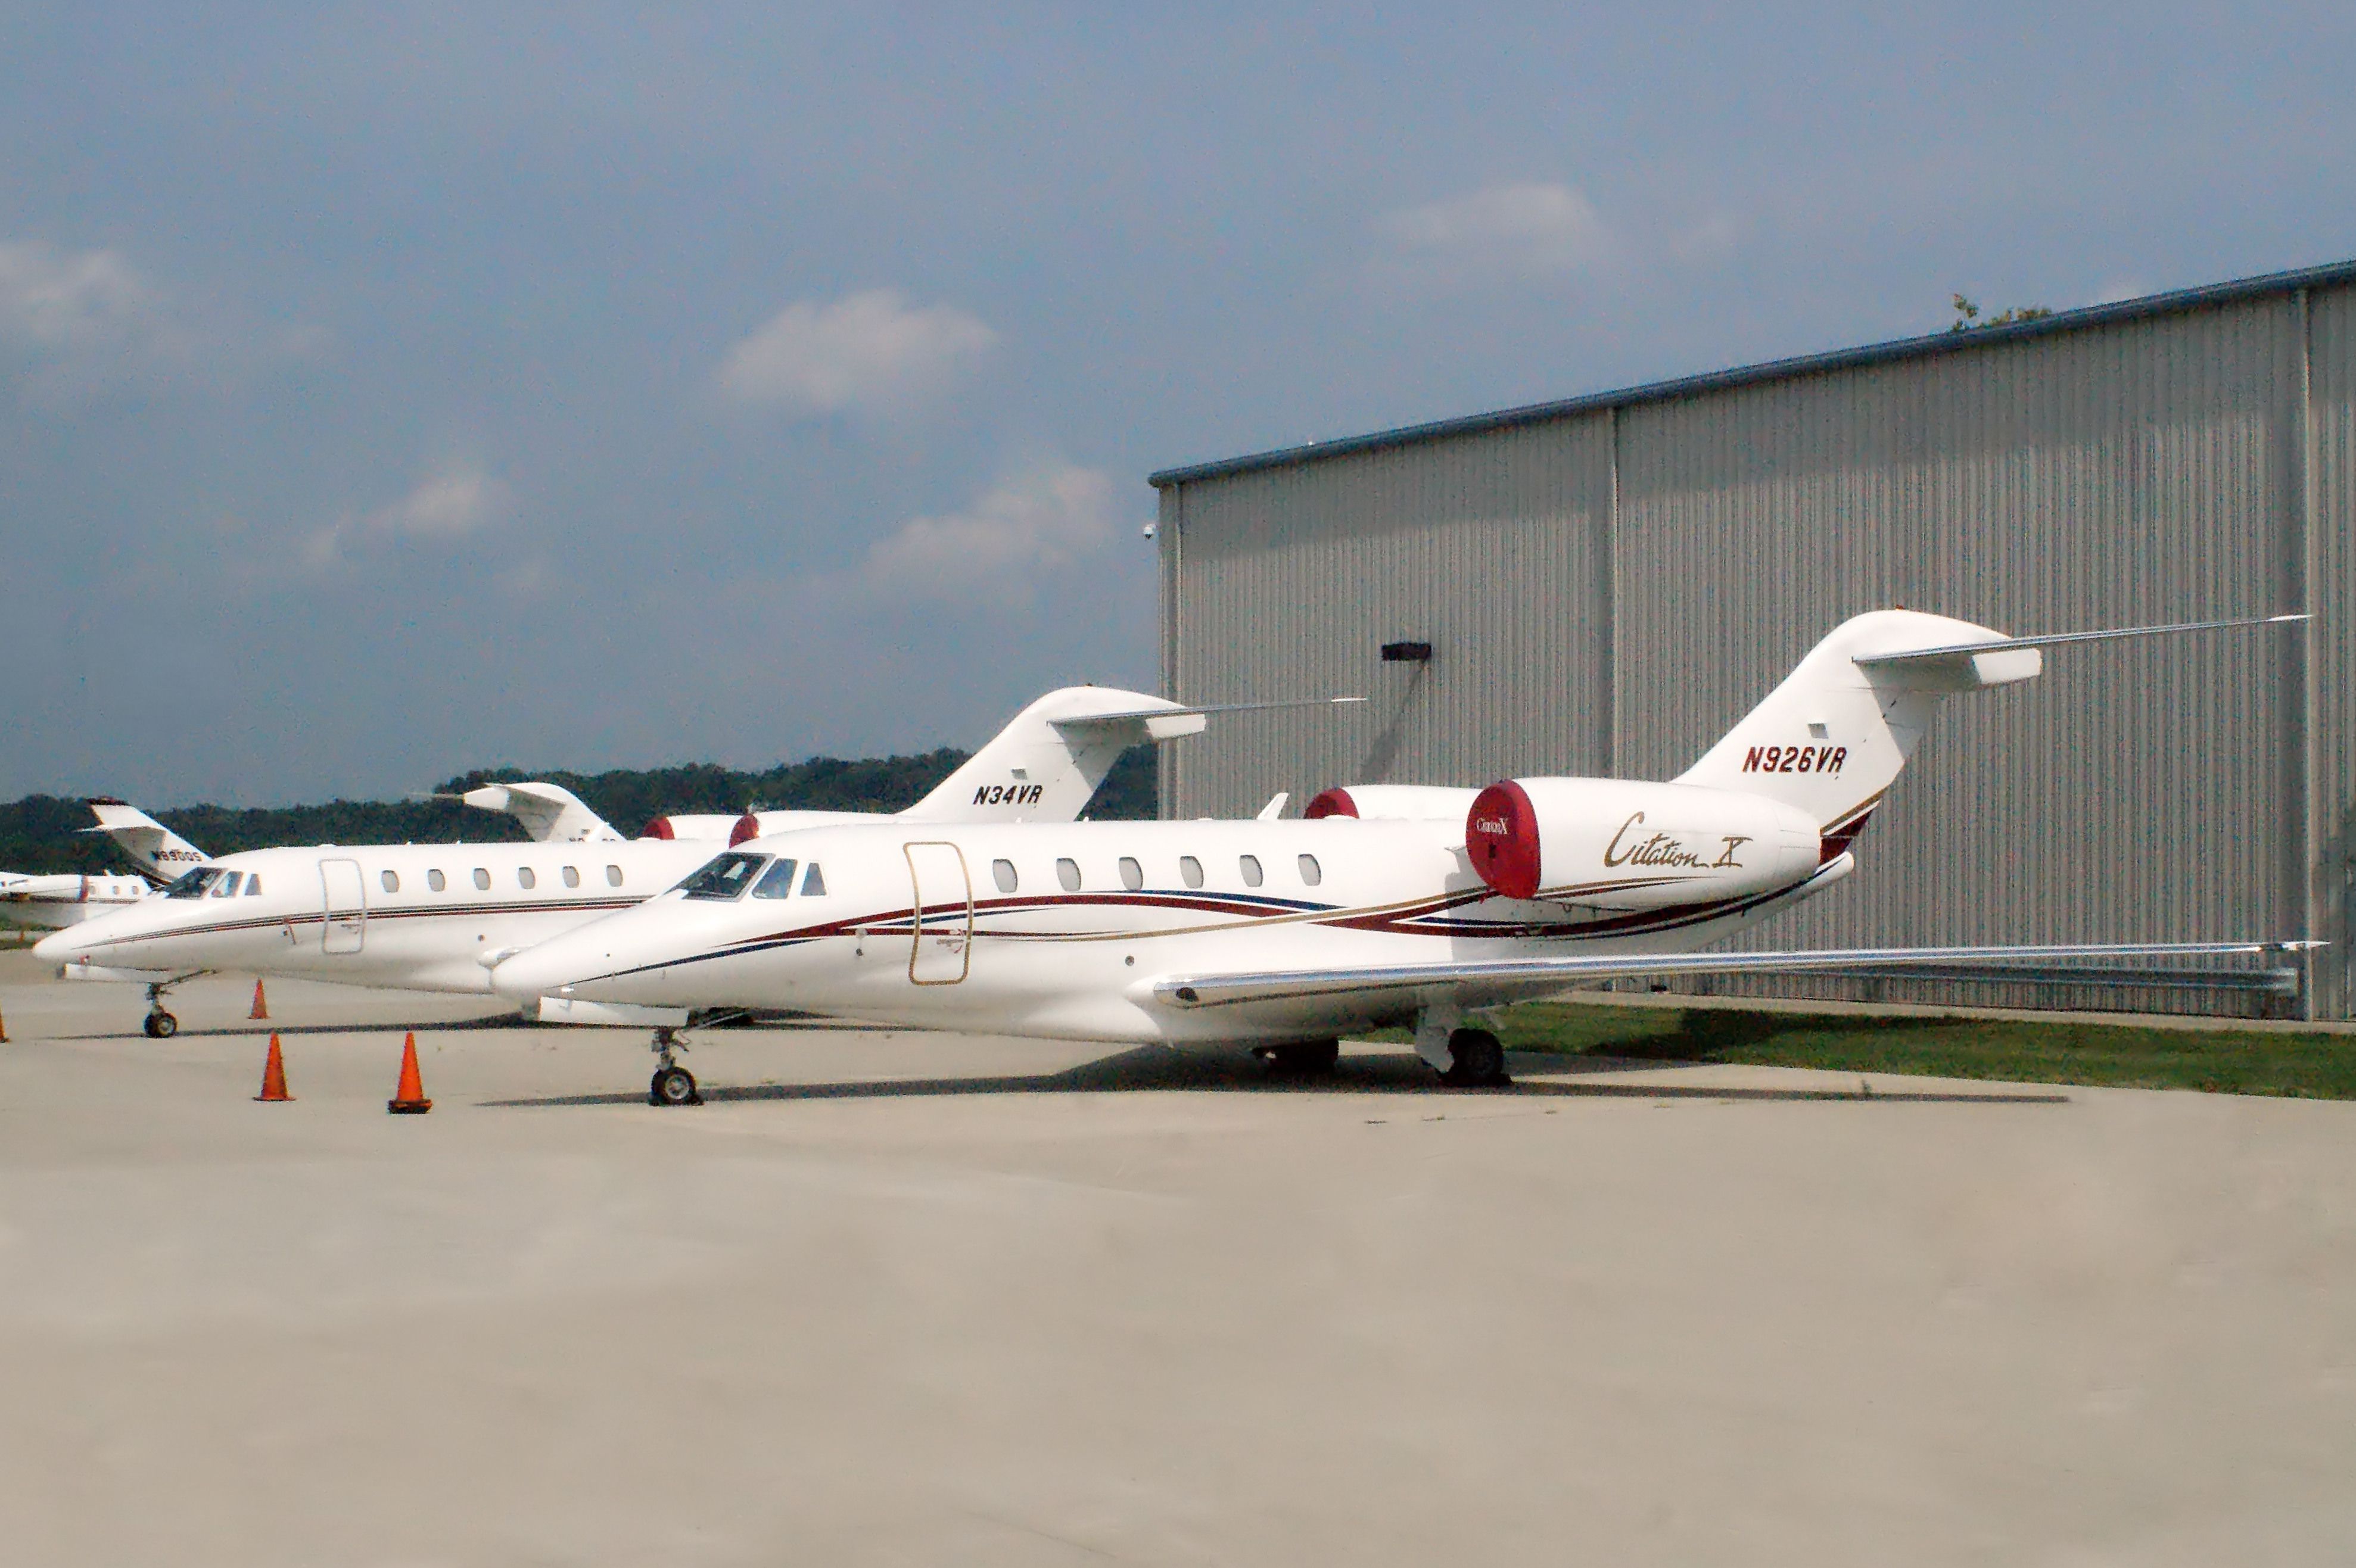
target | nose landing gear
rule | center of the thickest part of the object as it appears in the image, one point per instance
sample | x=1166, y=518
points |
x=159, y=1024
x=672, y=1084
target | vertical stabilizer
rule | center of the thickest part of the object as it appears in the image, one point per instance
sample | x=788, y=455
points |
x=159, y=851
x=1050, y=758
x=1832, y=738
x=549, y=813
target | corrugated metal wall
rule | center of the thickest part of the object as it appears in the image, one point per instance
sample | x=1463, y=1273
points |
x=2332, y=336
x=1492, y=549
x=1609, y=591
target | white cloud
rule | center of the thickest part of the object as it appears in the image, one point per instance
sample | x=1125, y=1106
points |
x=84, y=318
x=448, y=505
x=56, y=299
x=870, y=352
x=1039, y=524
x=1527, y=230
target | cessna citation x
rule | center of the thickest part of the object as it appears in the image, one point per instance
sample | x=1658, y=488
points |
x=435, y=917
x=1385, y=904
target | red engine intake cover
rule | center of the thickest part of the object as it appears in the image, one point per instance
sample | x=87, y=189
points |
x=747, y=827
x=1335, y=802
x=1501, y=835
x=659, y=829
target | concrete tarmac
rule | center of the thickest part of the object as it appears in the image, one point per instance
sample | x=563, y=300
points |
x=894, y=1299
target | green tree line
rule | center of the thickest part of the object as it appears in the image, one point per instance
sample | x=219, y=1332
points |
x=42, y=833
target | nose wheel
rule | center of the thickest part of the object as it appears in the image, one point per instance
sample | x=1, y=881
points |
x=159, y=1024
x=672, y=1084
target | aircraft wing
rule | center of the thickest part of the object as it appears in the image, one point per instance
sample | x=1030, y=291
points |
x=1487, y=982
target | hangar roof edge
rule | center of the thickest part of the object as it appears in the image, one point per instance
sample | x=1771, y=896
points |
x=1942, y=342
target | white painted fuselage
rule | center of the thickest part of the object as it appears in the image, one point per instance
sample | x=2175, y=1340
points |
x=51, y=902
x=411, y=916
x=1063, y=931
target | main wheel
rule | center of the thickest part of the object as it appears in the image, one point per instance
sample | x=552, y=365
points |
x=674, y=1086
x=1476, y=1060
x=161, y=1025
x=1309, y=1058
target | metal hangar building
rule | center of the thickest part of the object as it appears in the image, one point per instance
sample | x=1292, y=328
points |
x=1607, y=583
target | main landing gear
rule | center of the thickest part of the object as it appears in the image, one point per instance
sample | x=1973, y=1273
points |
x=1477, y=1061
x=1464, y=1058
x=1300, y=1058
x=672, y=1084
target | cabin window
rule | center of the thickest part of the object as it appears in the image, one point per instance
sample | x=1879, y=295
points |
x=571, y=876
x=1003, y=873
x=813, y=882
x=1190, y=871
x=524, y=879
x=776, y=882
x=1068, y=873
x=1132, y=875
x=482, y=879
x=436, y=880
x=1250, y=866
x=725, y=876
x=613, y=876
x=391, y=880
x=1311, y=873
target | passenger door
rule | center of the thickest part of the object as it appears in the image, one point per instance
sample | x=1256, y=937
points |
x=343, y=899
x=943, y=897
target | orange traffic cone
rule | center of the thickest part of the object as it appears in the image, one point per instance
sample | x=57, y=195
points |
x=3, y=1032
x=274, y=1073
x=411, y=1095
x=261, y=1007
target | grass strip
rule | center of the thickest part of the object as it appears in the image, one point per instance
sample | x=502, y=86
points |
x=2222, y=1061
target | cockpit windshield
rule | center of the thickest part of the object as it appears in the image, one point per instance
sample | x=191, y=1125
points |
x=724, y=878
x=195, y=884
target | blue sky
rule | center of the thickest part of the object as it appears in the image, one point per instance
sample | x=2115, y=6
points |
x=392, y=391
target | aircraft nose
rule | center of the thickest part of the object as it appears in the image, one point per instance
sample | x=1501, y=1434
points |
x=537, y=971
x=59, y=946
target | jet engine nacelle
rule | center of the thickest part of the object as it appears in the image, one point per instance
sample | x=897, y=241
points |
x=686, y=827
x=1392, y=803
x=1621, y=845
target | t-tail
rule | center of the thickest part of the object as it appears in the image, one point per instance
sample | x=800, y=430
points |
x=161, y=854
x=1048, y=760
x=1833, y=737
x=1830, y=741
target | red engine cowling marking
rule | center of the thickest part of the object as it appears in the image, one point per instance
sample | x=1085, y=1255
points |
x=1335, y=802
x=659, y=829
x=1501, y=835
x=747, y=827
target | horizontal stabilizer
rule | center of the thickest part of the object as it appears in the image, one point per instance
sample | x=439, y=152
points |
x=1481, y=983
x=2054, y=639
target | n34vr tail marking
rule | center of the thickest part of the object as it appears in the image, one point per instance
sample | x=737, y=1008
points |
x=1409, y=902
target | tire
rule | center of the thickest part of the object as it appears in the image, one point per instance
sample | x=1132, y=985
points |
x=161, y=1025
x=1477, y=1059
x=674, y=1086
x=1308, y=1059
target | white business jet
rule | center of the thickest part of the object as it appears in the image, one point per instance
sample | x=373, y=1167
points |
x=53, y=901
x=433, y=917
x=1390, y=905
